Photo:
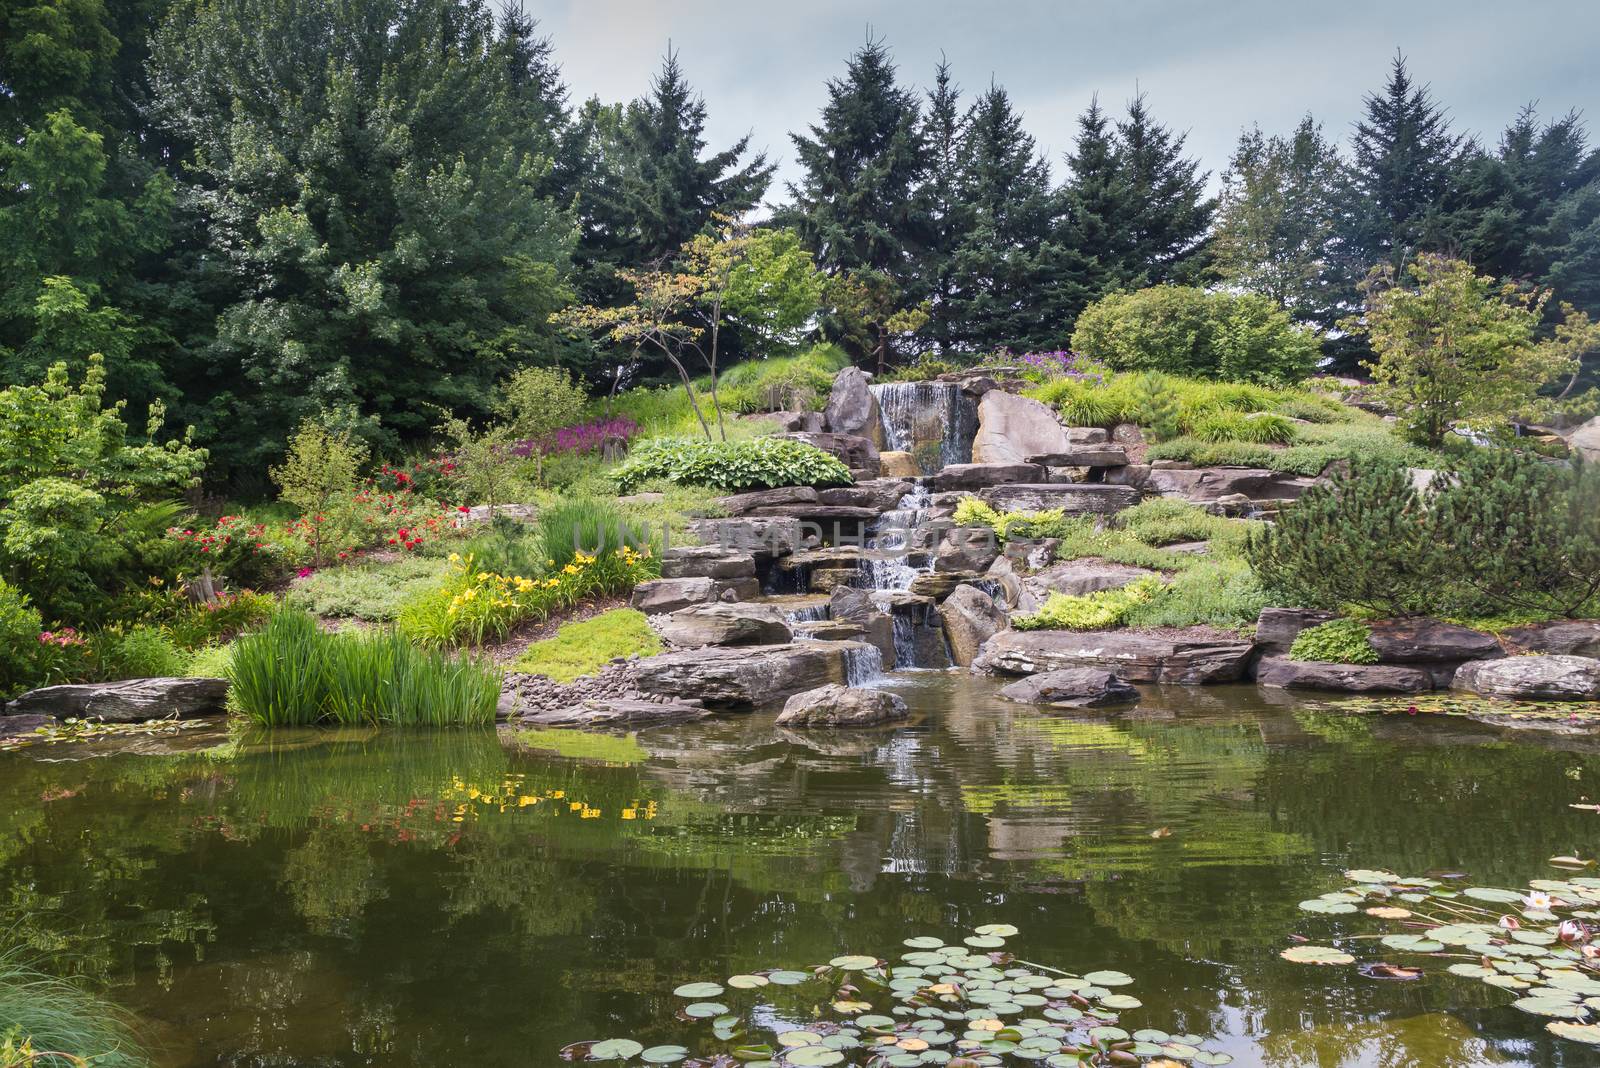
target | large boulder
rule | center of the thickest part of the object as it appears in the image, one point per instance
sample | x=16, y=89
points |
x=842, y=706
x=742, y=678
x=977, y=476
x=744, y=504
x=1585, y=441
x=1075, y=498
x=1083, y=687
x=668, y=595
x=894, y=464
x=851, y=607
x=1288, y=674
x=858, y=453
x=1574, y=637
x=724, y=624
x=881, y=494
x=1203, y=485
x=763, y=537
x=1089, y=574
x=129, y=701
x=1277, y=628
x=1084, y=456
x=966, y=549
x=1424, y=641
x=851, y=407
x=970, y=618
x=706, y=561
x=1544, y=677
x=1012, y=428
x=1195, y=655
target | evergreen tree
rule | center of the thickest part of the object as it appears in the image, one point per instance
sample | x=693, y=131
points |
x=1278, y=217
x=1006, y=268
x=857, y=206
x=366, y=209
x=1405, y=158
x=538, y=99
x=1170, y=213
x=1099, y=204
x=948, y=215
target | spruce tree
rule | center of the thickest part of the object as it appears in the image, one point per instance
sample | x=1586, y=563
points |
x=1098, y=204
x=1169, y=213
x=948, y=216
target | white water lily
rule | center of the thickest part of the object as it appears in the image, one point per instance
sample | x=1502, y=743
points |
x=1538, y=899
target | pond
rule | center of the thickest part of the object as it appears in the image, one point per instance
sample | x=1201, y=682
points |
x=441, y=899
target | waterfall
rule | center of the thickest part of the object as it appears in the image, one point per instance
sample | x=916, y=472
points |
x=888, y=565
x=863, y=664
x=811, y=613
x=920, y=413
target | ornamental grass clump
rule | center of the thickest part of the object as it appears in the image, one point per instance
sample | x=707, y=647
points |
x=52, y=1023
x=293, y=673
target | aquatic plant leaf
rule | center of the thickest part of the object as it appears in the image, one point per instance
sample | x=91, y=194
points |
x=984, y=941
x=1587, y=1033
x=747, y=982
x=698, y=990
x=1367, y=875
x=1109, y=978
x=615, y=1049
x=1470, y=971
x=1120, y=1001
x=795, y=1039
x=813, y=1055
x=788, y=978
x=664, y=1054
x=704, y=1010
x=1551, y=1007
x=851, y=962
x=1316, y=955
x=1331, y=908
x=924, y=942
x=1491, y=893
x=1389, y=912
x=998, y=930
x=1204, y=1057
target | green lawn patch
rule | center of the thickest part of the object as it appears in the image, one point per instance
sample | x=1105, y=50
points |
x=583, y=648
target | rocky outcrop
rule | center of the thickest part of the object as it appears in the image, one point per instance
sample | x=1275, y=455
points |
x=970, y=618
x=1575, y=637
x=1585, y=441
x=1541, y=677
x=855, y=608
x=1084, y=456
x=669, y=595
x=1088, y=574
x=966, y=549
x=939, y=584
x=1084, y=687
x=1288, y=674
x=610, y=698
x=1190, y=656
x=1428, y=641
x=1012, y=428
x=851, y=407
x=742, y=678
x=842, y=706
x=763, y=537
x=707, y=561
x=129, y=701
x=1277, y=628
x=1203, y=485
x=969, y=477
x=898, y=465
x=857, y=453
x=1075, y=498
x=879, y=494
x=724, y=624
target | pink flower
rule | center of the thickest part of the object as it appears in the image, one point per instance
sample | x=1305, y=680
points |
x=304, y=572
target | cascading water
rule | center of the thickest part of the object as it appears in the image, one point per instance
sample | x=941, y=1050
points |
x=915, y=414
x=890, y=566
x=863, y=665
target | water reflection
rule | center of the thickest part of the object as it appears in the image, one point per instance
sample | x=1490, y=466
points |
x=343, y=898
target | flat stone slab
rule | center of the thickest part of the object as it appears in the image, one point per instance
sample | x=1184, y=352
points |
x=743, y=678
x=740, y=623
x=977, y=476
x=1424, y=641
x=1288, y=674
x=1194, y=656
x=1072, y=688
x=1542, y=677
x=706, y=561
x=1084, y=456
x=1205, y=484
x=129, y=701
x=670, y=594
x=1076, y=498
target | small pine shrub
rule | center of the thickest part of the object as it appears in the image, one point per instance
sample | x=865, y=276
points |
x=1338, y=641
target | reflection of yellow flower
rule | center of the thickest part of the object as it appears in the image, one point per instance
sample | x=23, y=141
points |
x=629, y=813
x=558, y=793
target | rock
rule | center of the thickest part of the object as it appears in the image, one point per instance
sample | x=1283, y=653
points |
x=1195, y=655
x=1201, y=485
x=130, y=701
x=1087, y=435
x=1127, y=435
x=669, y=595
x=1288, y=674
x=1541, y=677
x=856, y=452
x=706, y=561
x=842, y=706
x=898, y=465
x=16, y=726
x=483, y=513
x=851, y=407
x=977, y=476
x=1031, y=554
x=880, y=495
x=966, y=549
x=1013, y=428
x=1277, y=628
x=724, y=624
x=1083, y=687
x=1585, y=441
x=1130, y=475
x=802, y=422
x=970, y=618
x=1579, y=637
x=741, y=678
x=1075, y=498
x=617, y=712
x=746, y=503
x=873, y=624
x=744, y=589
x=763, y=537
x=1084, y=456
x=1088, y=574
x=939, y=585
x=1422, y=641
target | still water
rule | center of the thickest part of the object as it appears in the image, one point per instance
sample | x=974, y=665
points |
x=443, y=899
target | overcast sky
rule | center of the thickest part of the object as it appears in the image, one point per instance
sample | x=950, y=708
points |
x=1208, y=68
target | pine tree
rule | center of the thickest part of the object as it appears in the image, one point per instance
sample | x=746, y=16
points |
x=1005, y=270
x=1097, y=205
x=538, y=99
x=1170, y=212
x=948, y=215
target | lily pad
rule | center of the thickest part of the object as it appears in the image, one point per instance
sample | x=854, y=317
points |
x=998, y=930
x=1490, y=893
x=1587, y=1033
x=854, y=962
x=788, y=978
x=698, y=990
x=923, y=942
x=1331, y=908
x=704, y=1010
x=615, y=1049
x=813, y=1055
x=1120, y=1002
x=795, y=1039
x=1551, y=1007
x=1316, y=955
x=664, y=1054
x=747, y=982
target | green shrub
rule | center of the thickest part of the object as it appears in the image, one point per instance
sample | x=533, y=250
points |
x=1215, y=590
x=136, y=652
x=1090, y=611
x=372, y=592
x=1262, y=429
x=293, y=673
x=19, y=642
x=585, y=647
x=1338, y=641
x=589, y=526
x=1190, y=331
x=318, y=477
x=46, y=1022
x=211, y=662
x=731, y=466
x=1166, y=521
x=1050, y=523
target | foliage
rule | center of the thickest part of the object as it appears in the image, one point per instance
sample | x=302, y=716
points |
x=1316, y=449
x=1262, y=428
x=589, y=526
x=1338, y=641
x=19, y=642
x=1215, y=589
x=79, y=500
x=47, y=1022
x=484, y=464
x=584, y=647
x=536, y=402
x=136, y=652
x=764, y=279
x=732, y=466
x=1050, y=523
x=793, y=383
x=1459, y=349
x=372, y=592
x=292, y=673
x=1166, y=521
x=1089, y=611
x=1189, y=331
x=319, y=477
